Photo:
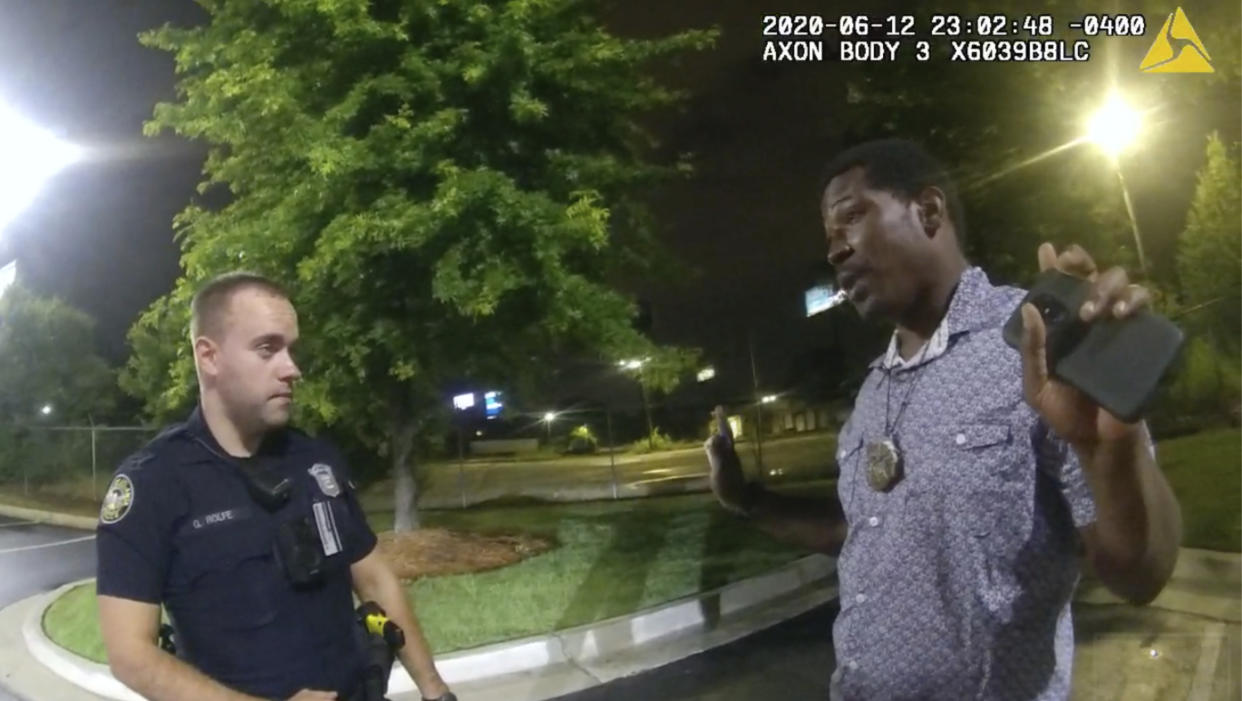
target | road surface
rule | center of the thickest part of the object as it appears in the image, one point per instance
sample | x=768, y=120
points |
x=799, y=458
x=791, y=660
x=35, y=558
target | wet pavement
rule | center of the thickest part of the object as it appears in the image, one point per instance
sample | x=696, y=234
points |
x=791, y=660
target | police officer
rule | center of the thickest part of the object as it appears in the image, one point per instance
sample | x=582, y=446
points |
x=247, y=531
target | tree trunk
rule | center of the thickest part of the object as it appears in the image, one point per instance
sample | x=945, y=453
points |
x=405, y=487
x=647, y=410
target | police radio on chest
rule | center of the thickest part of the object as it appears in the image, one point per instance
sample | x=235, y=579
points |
x=297, y=546
x=266, y=486
x=299, y=552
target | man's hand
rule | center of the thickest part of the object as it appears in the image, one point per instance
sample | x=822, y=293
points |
x=312, y=695
x=728, y=483
x=1069, y=412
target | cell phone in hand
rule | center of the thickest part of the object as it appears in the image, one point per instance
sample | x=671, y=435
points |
x=1118, y=363
x=723, y=429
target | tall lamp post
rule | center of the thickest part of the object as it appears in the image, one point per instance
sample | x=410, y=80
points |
x=548, y=418
x=637, y=366
x=1114, y=127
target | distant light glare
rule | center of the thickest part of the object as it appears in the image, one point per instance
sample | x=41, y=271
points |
x=632, y=364
x=550, y=416
x=1115, y=126
x=29, y=157
x=463, y=401
x=768, y=398
x=707, y=373
x=821, y=298
x=46, y=410
x=492, y=404
x=8, y=276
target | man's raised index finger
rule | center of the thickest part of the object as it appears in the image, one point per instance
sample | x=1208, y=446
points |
x=1047, y=255
x=1034, y=348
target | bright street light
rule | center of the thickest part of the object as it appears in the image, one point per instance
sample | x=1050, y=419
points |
x=548, y=418
x=1115, y=126
x=768, y=398
x=46, y=410
x=706, y=373
x=31, y=156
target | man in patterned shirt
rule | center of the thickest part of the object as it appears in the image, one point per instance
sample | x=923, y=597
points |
x=969, y=478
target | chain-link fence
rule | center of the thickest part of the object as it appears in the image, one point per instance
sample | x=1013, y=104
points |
x=577, y=455
x=65, y=464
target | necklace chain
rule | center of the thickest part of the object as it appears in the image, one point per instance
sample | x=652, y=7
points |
x=889, y=430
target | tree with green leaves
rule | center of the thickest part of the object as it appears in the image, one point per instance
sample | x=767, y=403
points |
x=1209, y=266
x=47, y=360
x=445, y=187
x=1209, y=255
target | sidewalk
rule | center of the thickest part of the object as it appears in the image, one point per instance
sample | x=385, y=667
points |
x=1185, y=645
x=541, y=667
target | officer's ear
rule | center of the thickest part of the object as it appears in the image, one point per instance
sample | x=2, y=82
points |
x=206, y=355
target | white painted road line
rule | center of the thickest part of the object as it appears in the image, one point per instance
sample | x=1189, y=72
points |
x=47, y=545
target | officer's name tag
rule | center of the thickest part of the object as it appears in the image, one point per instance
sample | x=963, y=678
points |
x=328, y=534
x=217, y=518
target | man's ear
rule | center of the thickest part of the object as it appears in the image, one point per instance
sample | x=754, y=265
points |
x=206, y=355
x=932, y=210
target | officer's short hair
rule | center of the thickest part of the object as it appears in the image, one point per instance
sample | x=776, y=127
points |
x=902, y=168
x=211, y=302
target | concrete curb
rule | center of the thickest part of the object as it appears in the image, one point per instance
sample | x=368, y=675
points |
x=49, y=517
x=1211, y=565
x=602, y=650
x=79, y=671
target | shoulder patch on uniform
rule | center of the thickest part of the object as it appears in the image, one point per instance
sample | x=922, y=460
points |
x=327, y=480
x=117, y=500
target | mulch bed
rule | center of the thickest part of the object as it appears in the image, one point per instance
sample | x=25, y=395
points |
x=432, y=552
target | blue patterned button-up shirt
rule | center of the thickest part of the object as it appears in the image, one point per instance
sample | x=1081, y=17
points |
x=956, y=584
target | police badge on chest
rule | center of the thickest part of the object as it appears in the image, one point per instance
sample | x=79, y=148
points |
x=304, y=543
x=326, y=479
x=325, y=521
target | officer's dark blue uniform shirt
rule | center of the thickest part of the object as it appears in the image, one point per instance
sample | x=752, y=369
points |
x=179, y=528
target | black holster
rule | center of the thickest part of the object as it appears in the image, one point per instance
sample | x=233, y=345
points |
x=379, y=639
x=168, y=639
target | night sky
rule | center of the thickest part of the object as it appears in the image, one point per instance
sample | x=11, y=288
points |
x=100, y=236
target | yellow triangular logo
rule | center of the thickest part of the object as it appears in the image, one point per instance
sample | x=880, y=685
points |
x=1177, y=49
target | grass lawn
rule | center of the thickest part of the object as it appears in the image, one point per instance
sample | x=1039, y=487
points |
x=616, y=557
x=613, y=558
x=72, y=496
x=1205, y=471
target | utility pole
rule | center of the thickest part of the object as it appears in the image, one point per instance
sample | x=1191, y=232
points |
x=754, y=377
x=612, y=452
